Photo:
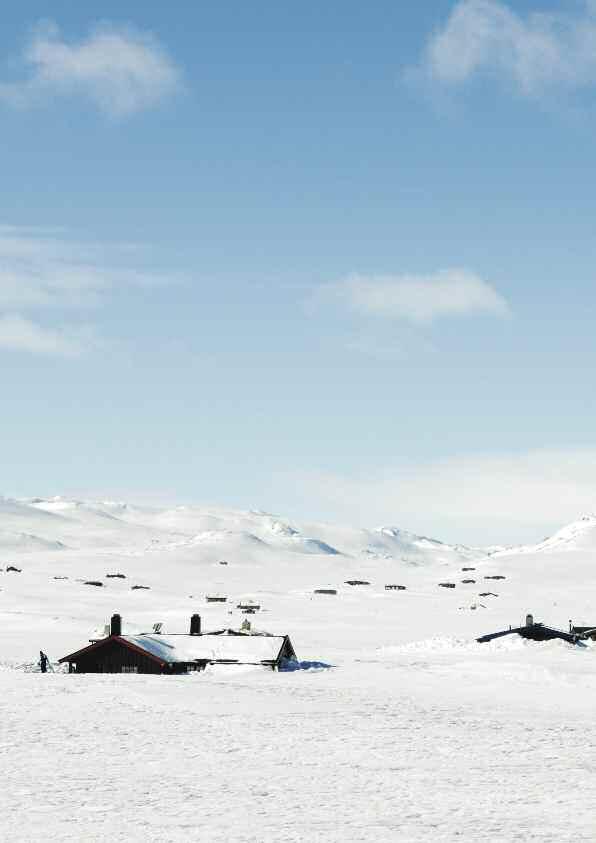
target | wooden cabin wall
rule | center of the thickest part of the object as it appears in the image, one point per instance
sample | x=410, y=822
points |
x=112, y=657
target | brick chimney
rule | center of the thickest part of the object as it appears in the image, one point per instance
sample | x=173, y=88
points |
x=116, y=625
x=195, y=625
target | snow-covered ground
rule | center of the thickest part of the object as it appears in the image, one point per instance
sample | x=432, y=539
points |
x=417, y=733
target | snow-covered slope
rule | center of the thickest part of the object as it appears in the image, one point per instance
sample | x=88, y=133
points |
x=185, y=553
x=182, y=554
x=83, y=524
x=15, y=513
x=411, y=699
x=579, y=535
x=120, y=525
x=13, y=541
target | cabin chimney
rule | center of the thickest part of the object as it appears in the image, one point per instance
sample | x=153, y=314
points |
x=195, y=625
x=529, y=620
x=116, y=625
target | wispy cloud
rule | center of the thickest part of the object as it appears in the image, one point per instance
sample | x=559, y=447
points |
x=120, y=70
x=483, y=498
x=20, y=334
x=389, y=348
x=418, y=299
x=47, y=274
x=535, y=51
x=40, y=269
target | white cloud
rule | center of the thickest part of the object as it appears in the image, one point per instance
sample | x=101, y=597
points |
x=46, y=272
x=484, y=499
x=122, y=71
x=387, y=348
x=418, y=298
x=535, y=51
x=20, y=334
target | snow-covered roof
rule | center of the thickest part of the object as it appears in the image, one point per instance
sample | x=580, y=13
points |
x=246, y=649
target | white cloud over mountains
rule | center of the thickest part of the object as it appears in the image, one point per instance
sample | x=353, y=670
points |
x=419, y=299
x=534, y=51
x=120, y=70
x=480, y=498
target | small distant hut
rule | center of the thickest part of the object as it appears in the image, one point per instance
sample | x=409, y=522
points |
x=393, y=587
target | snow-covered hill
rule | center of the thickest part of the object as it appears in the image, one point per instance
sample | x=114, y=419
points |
x=183, y=554
x=13, y=541
x=579, y=535
x=411, y=706
x=114, y=525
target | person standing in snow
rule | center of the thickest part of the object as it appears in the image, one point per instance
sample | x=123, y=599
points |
x=43, y=661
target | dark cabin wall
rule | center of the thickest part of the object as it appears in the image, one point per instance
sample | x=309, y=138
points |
x=112, y=656
x=287, y=651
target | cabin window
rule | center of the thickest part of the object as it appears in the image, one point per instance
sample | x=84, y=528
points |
x=130, y=668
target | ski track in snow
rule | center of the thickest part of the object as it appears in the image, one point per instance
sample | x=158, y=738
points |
x=417, y=733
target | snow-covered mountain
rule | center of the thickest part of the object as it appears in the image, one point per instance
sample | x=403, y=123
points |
x=106, y=524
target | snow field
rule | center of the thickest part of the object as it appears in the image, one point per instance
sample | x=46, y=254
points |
x=357, y=755
x=417, y=733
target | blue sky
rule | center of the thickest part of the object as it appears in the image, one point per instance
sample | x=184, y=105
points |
x=334, y=262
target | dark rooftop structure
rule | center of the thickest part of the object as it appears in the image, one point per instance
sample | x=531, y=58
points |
x=533, y=632
x=583, y=631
